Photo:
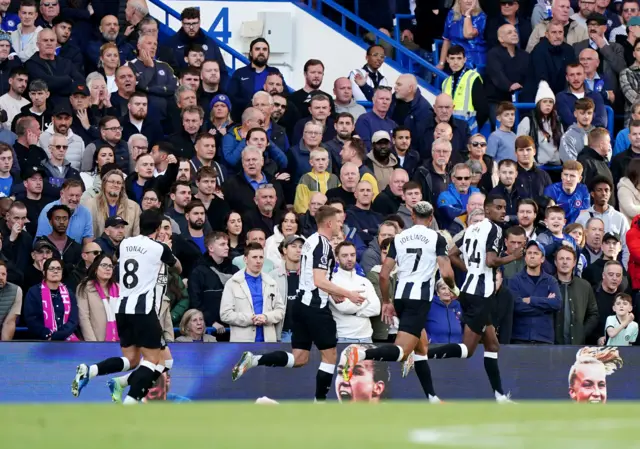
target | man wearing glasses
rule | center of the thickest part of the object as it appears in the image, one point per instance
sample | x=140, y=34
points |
x=509, y=14
x=57, y=168
x=191, y=33
x=49, y=10
x=586, y=8
x=111, y=135
x=89, y=252
x=81, y=222
x=453, y=202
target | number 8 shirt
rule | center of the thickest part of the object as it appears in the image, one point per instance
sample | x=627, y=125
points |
x=479, y=239
x=143, y=277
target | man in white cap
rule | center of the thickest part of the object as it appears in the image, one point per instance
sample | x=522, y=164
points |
x=380, y=159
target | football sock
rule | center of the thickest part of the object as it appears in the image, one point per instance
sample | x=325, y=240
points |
x=423, y=371
x=450, y=351
x=141, y=383
x=123, y=381
x=324, y=378
x=159, y=370
x=386, y=353
x=277, y=358
x=493, y=372
x=108, y=366
x=168, y=364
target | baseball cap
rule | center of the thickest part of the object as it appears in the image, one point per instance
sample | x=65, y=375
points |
x=597, y=17
x=609, y=236
x=41, y=244
x=62, y=108
x=221, y=99
x=288, y=240
x=115, y=221
x=80, y=88
x=380, y=135
x=634, y=21
x=538, y=244
x=32, y=170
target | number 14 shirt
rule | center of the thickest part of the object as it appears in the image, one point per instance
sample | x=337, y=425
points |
x=479, y=239
x=416, y=250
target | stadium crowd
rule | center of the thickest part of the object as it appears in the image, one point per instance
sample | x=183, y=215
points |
x=102, y=118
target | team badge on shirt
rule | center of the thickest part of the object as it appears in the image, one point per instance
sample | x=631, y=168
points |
x=161, y=72
x=205, y=47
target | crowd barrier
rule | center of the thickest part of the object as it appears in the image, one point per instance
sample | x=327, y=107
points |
x=42, y=372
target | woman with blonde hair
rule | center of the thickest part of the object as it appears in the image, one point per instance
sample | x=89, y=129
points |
x=576, y=230
x=192, y=328
x=588, y=375
x=465, y=26
x=108, y=64
x=113, y=201
x=477, y=146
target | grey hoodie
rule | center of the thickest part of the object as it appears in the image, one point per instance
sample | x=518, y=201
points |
x=572, y=142
x=352, y=108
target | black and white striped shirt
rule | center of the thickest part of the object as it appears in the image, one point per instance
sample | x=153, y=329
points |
x=480, y=239
x=416, y=251
x=143, y=274
x=316, y=254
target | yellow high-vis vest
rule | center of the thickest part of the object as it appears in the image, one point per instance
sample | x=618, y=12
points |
x=462, y=101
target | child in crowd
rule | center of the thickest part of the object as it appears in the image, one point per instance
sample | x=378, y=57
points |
x=576, y=137
x=620, y=329
x=502, y=142
x=554, y=237
x=317, y=180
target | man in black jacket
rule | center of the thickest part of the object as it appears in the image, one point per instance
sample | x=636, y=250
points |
x=114, y=232
x=509, y=15
x=389, y=200
x=531, y=180
x=443, y=108
x=208, y=278
x=138, y=122
x=184, y=140
x=26, y=146
x=62, y=26
x=264, y=216
x=594, y=158
x=66, y=249
x=40, y=107
x=16, y=242
x=620, y=161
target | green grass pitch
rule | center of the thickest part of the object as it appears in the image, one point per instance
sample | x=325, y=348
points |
x=296, y=425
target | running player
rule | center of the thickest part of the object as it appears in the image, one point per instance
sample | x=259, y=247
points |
x=480, y=248
x=419, y=252
x=141, y=261
x=312, y=319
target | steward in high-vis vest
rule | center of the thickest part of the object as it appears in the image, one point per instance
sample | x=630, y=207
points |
x=467, y=90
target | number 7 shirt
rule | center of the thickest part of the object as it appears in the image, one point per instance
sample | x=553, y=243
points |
x=478, y=240
x=143, y=276
x=416, y=250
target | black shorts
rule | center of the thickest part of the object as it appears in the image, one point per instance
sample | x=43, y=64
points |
x=141, y=331
x=477, y=311
x=412, y=314
x=312, y=325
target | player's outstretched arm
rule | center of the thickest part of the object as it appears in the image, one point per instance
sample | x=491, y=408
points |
x=320, y=280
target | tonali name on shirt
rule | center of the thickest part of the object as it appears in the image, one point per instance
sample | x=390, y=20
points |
x=136, y=249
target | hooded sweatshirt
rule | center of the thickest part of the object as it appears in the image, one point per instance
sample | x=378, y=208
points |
x=572, y=142
x=382, y=171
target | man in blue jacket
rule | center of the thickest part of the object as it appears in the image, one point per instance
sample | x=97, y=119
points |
x=566, y=100
x=453, y=202
x=249, y=79
x=538, y=298
x=191, y=33
x=409, y=107
x=570, y=194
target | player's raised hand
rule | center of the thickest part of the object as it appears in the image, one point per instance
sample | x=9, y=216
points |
x=388, y=313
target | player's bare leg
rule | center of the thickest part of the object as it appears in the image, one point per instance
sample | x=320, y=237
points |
x=84, y=373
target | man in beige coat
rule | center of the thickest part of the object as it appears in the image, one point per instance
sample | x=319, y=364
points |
x=251, y=302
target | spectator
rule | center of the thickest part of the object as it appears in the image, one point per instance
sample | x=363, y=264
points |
x=277, y=134
x=380, y=160
x=113, y=201
x=9, y=20
x=610, y=251
x=17, y=241
x=381, y=331
x=33, y=274
x=307, y=222
x=576, y=136
x=506, y=188
x=622, y=139
x=313, y=76
x=409, y=107
x=630, y=9
x=149, y=26
x=48, y=12
x=288, y=225
x=50, y=309
x=9, y=183
x=142, y=179
x=372, y=256
x=344, y=125
x=411, y=195
x=572, y=31
x=233, y=230
x=378, y=118
x=66, y=249
x=13, y=101
x=62, y=118
x=10, y=303
x=365, y=81
x=57, y=168
x=360, y=216
x=507, y=64
x=354, y=151
x=628, y=41
x=108, y=34
x=578, y=315
x=62, y=27
x=433, y=174
x=408, y=159
x=97, y=297
x=477, y=153
x=620, y=328
x=510, y=14
x=125, y=80
x=138, y=121
x=264, y=216
x=193, y=328
x=630, y=83
x=577, y=89
x=601, y=84
x=571, y=195
x=7, y=65
x=594, y=158
x=353, y=320
x=611, y=16
x=154, y=77
x=527, y=212
x=275, y=158
x=86, y=114
x=465, y=26
x=59, y=73
x=605, y=299
x=234, y=142
x=502, y=140
x=252, y=318
x=390, y=198
x=80, y=225
x=28, y=153
x=317, y=180
x=211, y=88
x=110, y=135
x=210, y=195
x=554, y=237
x=443, y=321
x=192, y=119
x=453, y=202
x=114, y=233
x=349, y=177
x=320, y=114
x=443, y=108
x=247, y=80
x=550, y=57
x=32, y=196
x=621, y=163
x=92, y=183
x=467, y=90
x=24, y=37
x=39, y=108
x=610, y=53
x=586, y=8
x=462, y=222
x=344, y=101
x=515, y=239
x=593, y=231
x=537, y=299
